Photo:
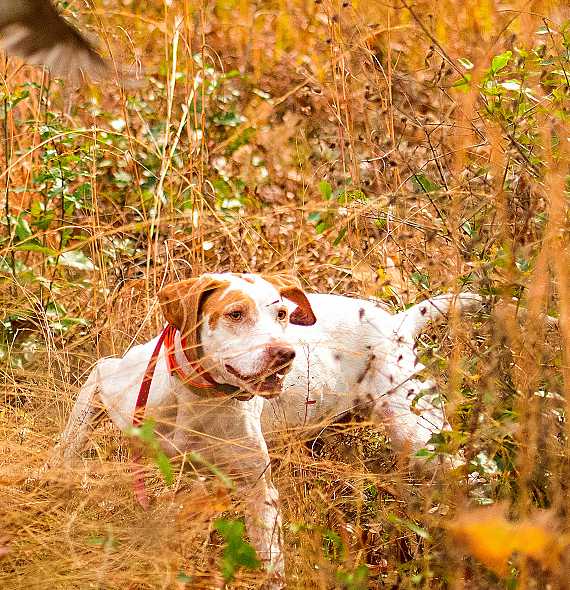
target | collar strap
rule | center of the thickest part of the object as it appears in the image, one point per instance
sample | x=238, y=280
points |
x=206, y=387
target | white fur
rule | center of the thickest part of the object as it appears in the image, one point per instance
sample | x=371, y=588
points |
x=348, y=357
x=359, y=354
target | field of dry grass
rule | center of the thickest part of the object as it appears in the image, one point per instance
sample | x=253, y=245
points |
x=391, y=150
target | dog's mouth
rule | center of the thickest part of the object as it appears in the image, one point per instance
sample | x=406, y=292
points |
x=266, y=383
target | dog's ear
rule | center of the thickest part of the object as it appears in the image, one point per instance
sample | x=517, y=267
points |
x=290, y=288
x=182, y=302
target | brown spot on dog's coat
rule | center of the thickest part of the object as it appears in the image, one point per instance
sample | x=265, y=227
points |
x=182, y=303
x=367, y=368
x=247, y=279
x=361, y=313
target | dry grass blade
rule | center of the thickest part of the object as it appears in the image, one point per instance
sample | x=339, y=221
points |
x=389, y=151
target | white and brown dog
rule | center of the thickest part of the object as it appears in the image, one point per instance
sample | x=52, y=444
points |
x=236, y=333
x=203, y=389
x=359, y=355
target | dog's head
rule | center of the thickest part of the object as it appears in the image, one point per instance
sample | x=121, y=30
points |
x=235, y=325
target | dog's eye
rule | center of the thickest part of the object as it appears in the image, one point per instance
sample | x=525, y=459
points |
x=235, y=315
x=282, y=314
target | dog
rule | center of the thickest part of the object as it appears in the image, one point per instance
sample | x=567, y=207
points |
x=205, y=387
x=347, y=353
x=359, y=355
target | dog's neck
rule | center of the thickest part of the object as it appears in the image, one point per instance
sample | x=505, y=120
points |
x=187, y=368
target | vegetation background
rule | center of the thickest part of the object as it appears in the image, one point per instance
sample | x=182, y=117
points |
x=394, y=150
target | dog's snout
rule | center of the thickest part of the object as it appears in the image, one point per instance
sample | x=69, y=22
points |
x=281, y=355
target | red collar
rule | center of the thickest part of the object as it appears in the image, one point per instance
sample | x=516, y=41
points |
x=206, y=388
x=175, y=368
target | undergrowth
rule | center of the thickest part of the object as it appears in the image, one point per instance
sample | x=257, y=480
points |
x=390, y=151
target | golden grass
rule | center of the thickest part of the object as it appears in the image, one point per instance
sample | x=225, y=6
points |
x=358, y=94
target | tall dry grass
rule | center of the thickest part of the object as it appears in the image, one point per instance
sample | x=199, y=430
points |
x=253, y=114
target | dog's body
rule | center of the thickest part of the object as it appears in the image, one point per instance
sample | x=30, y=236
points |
x=224, y=431
x=357, y=352
x=231, y=329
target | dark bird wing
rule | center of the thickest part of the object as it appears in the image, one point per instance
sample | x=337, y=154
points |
x=35, y=31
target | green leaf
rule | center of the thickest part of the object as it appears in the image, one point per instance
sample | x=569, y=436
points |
x=424, y=454
x=163, y=464
x=340, y=236
x=523, y=265
x=412, y=526
x=348, y=196
x=41, y=217
x=500, y=61
x=76, y=259
x=230, y=119
x=242, y=139
x=23, y=230
x=145, y=431
x=467, y=64
x=231, y=74
x=420, y=279
x=197, y=458
x=326, y=190
x=106, y=542
x=122, y=178
x=33, y=246
x=333, y=546
x=354, y=580
x=183, y=578
x=321, y=227
x=462, y=83
x=423, y=184
x=237, y=552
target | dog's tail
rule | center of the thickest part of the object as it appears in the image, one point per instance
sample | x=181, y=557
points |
x=412, y=321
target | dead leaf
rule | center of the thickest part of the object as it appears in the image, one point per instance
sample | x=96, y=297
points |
x=203, y=504
x=492, y=539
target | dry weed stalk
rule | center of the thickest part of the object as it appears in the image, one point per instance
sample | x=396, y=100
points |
x=350, y=143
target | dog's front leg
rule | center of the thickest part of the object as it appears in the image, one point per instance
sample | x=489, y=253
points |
x=84, y=415
x=263, y=523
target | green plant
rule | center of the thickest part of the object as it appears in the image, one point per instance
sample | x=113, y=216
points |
x=237, y=552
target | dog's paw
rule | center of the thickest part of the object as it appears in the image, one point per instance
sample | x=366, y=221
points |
x=275, y=581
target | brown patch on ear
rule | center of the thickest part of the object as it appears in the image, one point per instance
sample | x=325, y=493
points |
x=304, y=314
x=182, y=302
x=290, y=288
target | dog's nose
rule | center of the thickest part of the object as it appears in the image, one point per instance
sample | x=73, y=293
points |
x=281, y=355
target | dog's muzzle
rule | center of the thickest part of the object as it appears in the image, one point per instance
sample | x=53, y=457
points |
x=269, y=381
